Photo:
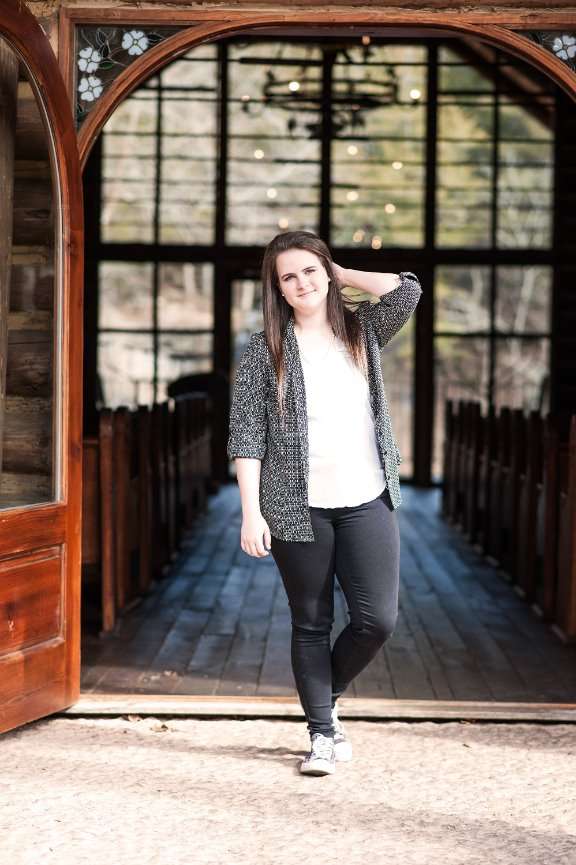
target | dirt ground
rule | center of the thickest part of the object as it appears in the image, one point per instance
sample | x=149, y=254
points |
x=154, y=791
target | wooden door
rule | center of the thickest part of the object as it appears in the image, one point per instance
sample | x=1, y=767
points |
x=41, y=242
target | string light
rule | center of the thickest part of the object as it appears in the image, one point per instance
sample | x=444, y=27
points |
x=245, y=97
x=366, y=40
x=415, y=93
x=352, y=195
x=376, y=242
x=271, y=192
x=352, y=150
x=390, y=208
x=358, y=236
x=283, y=222
x=258, y=154
x=294, y=86
x=397, y=165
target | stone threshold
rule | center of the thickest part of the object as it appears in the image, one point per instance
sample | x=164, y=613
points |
x=351, y=708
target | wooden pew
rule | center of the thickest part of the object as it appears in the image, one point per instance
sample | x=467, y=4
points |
x=145, y=523
x=566, y=595
x=98, y=586
x=145, y=482
x=530, y=501
x=447, y=446
x=200, y=458
x=510, y=483
x=160, y=553
x=471, y=469
x=511, y=490
x=547, y=521
x=203, y=425
x=454, y=463
x=121, y=498
x=184, y=456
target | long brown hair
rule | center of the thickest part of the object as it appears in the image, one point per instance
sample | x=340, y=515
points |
x=277, y=311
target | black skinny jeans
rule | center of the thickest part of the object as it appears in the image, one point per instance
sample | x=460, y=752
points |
x=361, y=546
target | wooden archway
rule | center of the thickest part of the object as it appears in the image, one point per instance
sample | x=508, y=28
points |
x=240, y=23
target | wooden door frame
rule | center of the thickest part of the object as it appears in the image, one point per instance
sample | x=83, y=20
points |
x=45, y=676
x=496, y=28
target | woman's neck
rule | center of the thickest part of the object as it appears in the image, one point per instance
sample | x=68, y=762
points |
x=315, y=329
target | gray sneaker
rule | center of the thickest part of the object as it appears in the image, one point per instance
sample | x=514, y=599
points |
x=322, y=758
x=342, y=744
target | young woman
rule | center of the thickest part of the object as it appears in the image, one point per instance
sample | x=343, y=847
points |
x=317, y=466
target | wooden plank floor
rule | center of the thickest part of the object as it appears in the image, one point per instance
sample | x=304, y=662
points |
x=220, y=624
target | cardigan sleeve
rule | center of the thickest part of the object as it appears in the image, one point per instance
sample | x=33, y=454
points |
x=393, y=309
x=248, y=420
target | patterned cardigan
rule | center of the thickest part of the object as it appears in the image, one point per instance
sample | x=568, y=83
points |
x=256, y=429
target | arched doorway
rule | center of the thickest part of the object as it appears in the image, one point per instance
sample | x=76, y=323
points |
x=24, y=687
x=174, y=77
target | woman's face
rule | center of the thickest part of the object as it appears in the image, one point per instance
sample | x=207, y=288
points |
x=302, y=278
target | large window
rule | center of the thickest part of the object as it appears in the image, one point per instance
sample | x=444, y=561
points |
x=428, y=155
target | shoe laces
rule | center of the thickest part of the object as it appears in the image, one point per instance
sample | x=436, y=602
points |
x=322, y=746
x=338, y=728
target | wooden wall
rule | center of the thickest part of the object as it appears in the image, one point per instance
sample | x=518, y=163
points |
x=26, y=293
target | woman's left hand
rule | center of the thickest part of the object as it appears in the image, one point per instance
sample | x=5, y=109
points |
x=339, y=273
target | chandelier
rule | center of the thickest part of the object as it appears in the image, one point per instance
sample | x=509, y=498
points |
x=351, y=97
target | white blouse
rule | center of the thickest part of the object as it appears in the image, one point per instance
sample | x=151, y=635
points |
x=344, y=462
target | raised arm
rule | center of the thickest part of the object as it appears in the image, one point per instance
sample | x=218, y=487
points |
x=398, y=295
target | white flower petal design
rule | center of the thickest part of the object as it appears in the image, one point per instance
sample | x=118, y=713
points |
x=90, y=88
x=89, y=59
x=564, y=46
x=135, y=42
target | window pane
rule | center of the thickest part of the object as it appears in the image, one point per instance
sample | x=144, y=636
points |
x=189, y=98
x=125, y=294
x=247, y=315
x=180, y=355
x=463, y=194
x=274, y=145
x=125, y=368
x=522, y=380
x=484, y=117
x=455, y=76
x=185, y=296
x=378, y=153
x=464, y=157
x=526, y=156
x=525, y=188
x=129, y=171
x=523, y=301
x=462, y=299
x=173, y=114
x=187, y=190
x=461, y=369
